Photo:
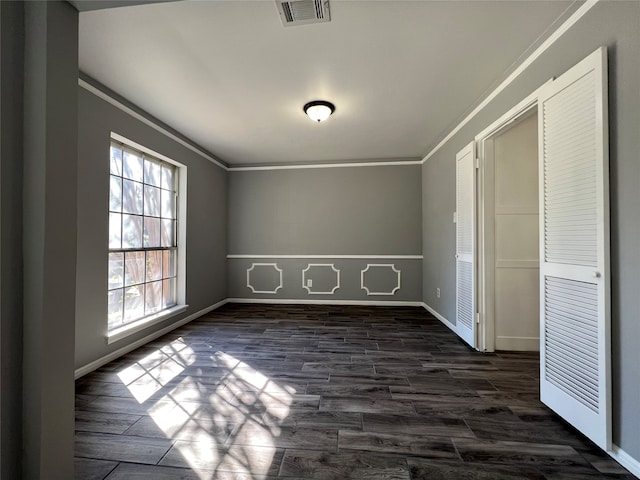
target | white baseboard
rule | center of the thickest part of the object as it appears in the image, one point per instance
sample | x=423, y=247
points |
x=90, y=367
x=288, y=301
x=626, y=460
x=433, y=312
x=518, y=344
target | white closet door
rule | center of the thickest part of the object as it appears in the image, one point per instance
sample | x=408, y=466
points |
x=574, y=248
x=465, y=244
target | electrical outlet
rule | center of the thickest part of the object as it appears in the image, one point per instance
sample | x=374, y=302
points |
x=309, y=282
x=438, y=292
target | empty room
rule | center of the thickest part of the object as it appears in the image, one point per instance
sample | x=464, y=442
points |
x=320, y=239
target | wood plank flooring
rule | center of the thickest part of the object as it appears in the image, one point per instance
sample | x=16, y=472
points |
x=323, y=392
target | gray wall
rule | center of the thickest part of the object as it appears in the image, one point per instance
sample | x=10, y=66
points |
x=373, y=210
x=38, y=160
x=49, y=228
x=617, y=26
x=11, y=120
x=206, y=223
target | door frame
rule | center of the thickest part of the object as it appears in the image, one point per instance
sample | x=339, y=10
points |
x=485, y=264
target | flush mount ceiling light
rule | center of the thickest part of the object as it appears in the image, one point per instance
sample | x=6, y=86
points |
x=319, y=110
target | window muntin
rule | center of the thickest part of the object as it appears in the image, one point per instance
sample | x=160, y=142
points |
x=143, y=246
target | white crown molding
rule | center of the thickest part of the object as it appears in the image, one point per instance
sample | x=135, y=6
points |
x=354, y=257
x=570, y=22
x=325, y=165
x=380, y=265
x=250, y=269
x=313, y=265
x=129, y=111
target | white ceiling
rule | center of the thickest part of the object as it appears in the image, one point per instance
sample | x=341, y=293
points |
x=229, y=76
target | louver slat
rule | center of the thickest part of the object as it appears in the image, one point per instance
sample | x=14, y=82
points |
x=465, y=190
x=571, y=339
x=465, y=246
x=570, y=176
x=465, y=291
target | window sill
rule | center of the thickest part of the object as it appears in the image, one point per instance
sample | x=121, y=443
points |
x=146, y=322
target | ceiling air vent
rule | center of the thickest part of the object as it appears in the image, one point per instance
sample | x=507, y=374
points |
x=303, y=12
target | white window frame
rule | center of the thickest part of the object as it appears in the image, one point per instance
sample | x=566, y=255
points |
x=128, y=329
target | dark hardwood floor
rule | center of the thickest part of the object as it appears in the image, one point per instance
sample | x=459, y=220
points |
x=323, y=392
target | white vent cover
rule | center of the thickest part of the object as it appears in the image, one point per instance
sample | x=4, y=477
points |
x=303, y=12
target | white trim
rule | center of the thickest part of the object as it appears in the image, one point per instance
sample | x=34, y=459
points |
x=129, y=111
x=90, y=367
x=355, y=257
x=433, y=312
x=379, y=265
x=325, y=165
x=145, y=322
x=249, y=270
x=485, y=211
x=530, y=102
x=290, y=301
x=126, y=142
x=577, y=15
x=624, y=459
x=517, y=344
x=308, y=288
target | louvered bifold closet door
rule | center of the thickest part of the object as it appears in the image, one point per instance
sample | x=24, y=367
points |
x=465, y=244
x=574, y=248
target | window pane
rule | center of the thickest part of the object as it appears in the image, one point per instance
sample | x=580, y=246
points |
x=168, y=204
x=168, y=263
x=131, y=231
x=151, y=201
x=133, y=303
x=115, y=308
x=116, y=160
x=151, y=232
x=115, y=230
x=154, y=265
x=132, y=166
x=153, y=297
x=142, y=214
x=167, y=178
x=115, y=194
x=116, y=270
x=167, y=233
x=152, y=172
x=168, y=293
x=131, y=197
x=134, y=268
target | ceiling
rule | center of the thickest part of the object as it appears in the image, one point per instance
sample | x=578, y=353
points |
x=230, y=77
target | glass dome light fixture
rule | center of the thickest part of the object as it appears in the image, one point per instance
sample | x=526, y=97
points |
x=319, y=110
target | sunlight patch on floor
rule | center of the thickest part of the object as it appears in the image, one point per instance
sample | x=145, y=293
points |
x=222, y=422
x=147, y=376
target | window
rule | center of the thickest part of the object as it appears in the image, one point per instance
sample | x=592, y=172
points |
x=143, y=247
